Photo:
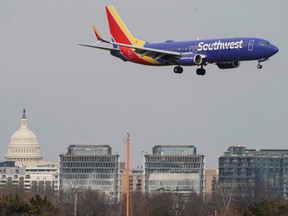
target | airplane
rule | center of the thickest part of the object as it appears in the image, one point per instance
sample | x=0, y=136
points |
x=226, y=53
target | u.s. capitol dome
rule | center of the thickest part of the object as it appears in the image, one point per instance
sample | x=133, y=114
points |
x=23, y=147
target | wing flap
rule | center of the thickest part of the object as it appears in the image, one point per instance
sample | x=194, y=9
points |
x=141, y=50
x=167, y=57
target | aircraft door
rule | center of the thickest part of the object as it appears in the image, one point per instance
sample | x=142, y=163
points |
x=250, y=45
x=191, y=49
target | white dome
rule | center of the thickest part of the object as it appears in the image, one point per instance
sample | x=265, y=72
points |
x=23, y=135
x=23, y=147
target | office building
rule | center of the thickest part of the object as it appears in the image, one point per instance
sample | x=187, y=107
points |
x=174, y=168
x=211, y=177
x=248, y=169
x=90, y=167
x=136, y=180
x=43, y=180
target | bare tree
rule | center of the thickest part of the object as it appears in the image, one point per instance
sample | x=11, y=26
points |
x=162, y=204
x=139, y=204
x=223, y=198
x=194, y=205
x=180, y=204
x=96, y=203
x=251, y=192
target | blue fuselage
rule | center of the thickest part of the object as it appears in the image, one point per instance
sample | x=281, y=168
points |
x=221, y=50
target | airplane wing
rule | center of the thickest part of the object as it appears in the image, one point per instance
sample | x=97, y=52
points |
x=151, y=52
x=169, y=57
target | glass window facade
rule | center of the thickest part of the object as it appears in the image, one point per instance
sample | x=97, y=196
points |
x=174, y=150
x=90, y=170
x=175, y=169
x=89, y=149
x=268, y=166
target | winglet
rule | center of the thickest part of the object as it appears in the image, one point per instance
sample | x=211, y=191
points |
x=97, y=33
x=98, y=36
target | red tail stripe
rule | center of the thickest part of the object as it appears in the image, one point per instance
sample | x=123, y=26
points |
x=115, y=30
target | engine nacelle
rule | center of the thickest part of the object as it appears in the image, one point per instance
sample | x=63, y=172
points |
x=118, y=54
x=190, y=59
x=228, y=65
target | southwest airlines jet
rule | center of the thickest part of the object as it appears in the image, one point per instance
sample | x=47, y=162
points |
x=224, y=52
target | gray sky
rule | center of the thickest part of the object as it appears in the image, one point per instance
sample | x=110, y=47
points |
x=78, y=95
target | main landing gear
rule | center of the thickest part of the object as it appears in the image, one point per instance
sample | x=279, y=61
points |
x=200, y=71
x=178, y=69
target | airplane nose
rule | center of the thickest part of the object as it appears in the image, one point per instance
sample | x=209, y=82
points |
x=274, y=49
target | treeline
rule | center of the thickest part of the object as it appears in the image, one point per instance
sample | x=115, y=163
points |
x=89, y=202
x=14, y=201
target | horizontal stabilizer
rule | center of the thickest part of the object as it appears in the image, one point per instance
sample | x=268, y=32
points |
x=98, y=47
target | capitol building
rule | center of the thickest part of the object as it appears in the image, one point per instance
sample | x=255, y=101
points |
x=23, y=147
x=24, y=165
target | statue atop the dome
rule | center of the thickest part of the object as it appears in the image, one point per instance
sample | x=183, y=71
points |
x=24, y=115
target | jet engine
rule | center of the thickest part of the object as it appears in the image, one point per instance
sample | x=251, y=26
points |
x=228, y=65
x=190, y=59
x=118, y=54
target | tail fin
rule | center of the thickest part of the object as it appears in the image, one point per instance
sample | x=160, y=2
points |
x=118, y=30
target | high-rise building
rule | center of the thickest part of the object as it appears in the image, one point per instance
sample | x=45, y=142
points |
x=174, y=168
x=248, y=169
x=90, y=167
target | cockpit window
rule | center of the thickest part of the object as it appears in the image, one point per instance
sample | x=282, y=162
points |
x=264, y=43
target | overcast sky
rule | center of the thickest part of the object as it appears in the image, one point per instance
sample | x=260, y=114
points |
x=78, y=95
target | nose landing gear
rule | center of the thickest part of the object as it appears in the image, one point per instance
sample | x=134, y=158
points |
x=259, y=65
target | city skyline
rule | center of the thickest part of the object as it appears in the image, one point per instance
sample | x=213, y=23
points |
x=75, y=95
x=24, y=130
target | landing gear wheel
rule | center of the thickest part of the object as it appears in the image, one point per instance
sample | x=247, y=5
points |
x=178, y=69
x=201, y=71
x=259, y=66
